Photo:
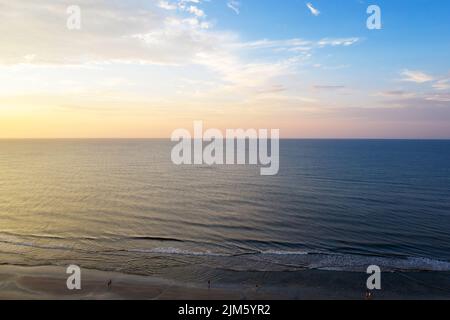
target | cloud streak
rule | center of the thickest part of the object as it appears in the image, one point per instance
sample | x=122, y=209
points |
x=416, y=76
x=153, y=36
x=443, y=84
x=313, y=10
x=234, y=5
x=328, y=87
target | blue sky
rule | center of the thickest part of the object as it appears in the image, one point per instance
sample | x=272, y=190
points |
x=410, y=27
x=143, y=68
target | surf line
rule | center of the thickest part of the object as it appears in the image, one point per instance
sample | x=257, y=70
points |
x=235, y=147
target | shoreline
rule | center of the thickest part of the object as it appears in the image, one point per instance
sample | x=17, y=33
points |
x=49, y=282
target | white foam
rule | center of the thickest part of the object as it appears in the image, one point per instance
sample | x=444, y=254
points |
x=177, y=251
x=285, y=253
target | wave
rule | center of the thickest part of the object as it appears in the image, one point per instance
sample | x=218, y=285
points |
x=19, y=242
x=177, y=251
x=334, y=262
x=6, y=237
x=154, y=238
x=246, y=260
x=272, y=260
x=285, y=253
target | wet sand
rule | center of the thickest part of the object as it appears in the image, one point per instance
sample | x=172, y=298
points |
x=50, y=283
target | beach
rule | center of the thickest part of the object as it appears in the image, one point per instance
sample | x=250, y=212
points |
x=159, y=231
x=224, y=150
x=49, y=282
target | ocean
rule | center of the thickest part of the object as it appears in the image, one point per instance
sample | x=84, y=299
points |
x=121, y=205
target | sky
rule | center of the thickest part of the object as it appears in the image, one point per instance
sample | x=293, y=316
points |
x=142, y=69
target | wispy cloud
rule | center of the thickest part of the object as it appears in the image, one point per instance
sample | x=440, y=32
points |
x=234, y=5
x=166, y=5
x=443, y=84
x=401, y=94
x=299, y=45
x=338, y=42
x=196, y=11
x=184, y=6
x=328, y=87
x=416, y=76
x=313, y=10
x=174, y=36
x=121, y=33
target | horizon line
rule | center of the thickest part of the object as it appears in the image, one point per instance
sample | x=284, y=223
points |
x=292, y=138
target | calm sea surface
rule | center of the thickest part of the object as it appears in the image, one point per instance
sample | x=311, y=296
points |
x=122, y=205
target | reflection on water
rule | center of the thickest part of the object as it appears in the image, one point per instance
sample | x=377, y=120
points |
x=122, y=205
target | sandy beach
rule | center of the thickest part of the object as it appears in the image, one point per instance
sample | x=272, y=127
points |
x=48, y=283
